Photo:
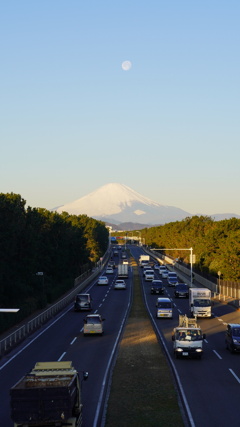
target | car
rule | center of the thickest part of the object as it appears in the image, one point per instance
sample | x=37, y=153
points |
x=164, y=273
x=147, y=268
x=109, y=270
x=120, y=284
x=232, y=337
x=172, y=279
x=115, y=253
x=83, y=302
x=181, y=290
x=124, y=256
x=157, y=287
x=102, y=280
x=164, y=308
x=149, y=275
x=93, y=324
x=111, y=264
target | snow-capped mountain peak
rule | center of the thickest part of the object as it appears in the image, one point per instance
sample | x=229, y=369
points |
x=117, y=203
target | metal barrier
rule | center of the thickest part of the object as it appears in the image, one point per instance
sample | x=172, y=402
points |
x=7, y=343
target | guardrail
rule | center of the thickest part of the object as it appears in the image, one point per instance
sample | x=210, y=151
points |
x=10, y=341
x=230, y=290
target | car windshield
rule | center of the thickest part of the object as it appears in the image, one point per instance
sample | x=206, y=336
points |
x=189, y=335
x=202, y=303
x=181, y=288
x=93, y=320
x=82, y=298
x=164, y=304
x=236, y=332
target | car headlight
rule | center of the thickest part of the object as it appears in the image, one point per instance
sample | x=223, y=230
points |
x=235, y=341
x=179, y=349
x=198, y=350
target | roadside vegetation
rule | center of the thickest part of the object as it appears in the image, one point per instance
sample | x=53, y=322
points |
x=41, y=253
x=216, y=244
x=143, y=391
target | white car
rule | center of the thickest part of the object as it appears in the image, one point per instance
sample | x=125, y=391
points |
x=109, y=270
x=102, y=280
x=120, y=284
x=149, y=275
x=93, y=324
x=164, y=274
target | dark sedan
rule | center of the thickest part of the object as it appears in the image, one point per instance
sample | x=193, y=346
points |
x=157, y=287
x=181, y=290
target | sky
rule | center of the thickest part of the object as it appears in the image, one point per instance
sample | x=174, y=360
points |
x=72, y=119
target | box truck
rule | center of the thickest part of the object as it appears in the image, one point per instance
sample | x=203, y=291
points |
x=200, y=302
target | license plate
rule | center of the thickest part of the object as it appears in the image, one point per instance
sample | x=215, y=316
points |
x=92, y=332
x=184, y=353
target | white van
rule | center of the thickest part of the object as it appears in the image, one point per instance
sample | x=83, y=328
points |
x=164, y=308
x=93, y=324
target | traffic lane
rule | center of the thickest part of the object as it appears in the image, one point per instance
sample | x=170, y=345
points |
x=198, y=379
x=50, y=344
x=93, y=353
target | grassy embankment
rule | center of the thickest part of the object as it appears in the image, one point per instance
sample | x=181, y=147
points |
x=142, y=389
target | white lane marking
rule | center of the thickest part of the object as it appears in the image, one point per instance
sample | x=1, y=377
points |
x=235, y=376
x=220, y=320
x=61, y=357
x=34, y=339
x=218, y=355
x=74, y=339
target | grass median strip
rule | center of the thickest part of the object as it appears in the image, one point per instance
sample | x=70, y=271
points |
x=142, y=388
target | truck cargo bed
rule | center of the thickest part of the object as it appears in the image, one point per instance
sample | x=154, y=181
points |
x=43, y=399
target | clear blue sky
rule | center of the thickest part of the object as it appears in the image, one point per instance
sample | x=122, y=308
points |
x=73, y=120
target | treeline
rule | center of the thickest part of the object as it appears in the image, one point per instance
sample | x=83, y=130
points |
x=216, y=244
x=35, y=240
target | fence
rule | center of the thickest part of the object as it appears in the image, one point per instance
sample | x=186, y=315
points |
x=7, y=343
x=225, y=288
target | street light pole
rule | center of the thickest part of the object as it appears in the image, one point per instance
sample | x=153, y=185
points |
x=191, y=263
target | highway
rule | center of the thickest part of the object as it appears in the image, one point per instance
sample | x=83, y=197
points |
x=211, y=386
x=62, y=339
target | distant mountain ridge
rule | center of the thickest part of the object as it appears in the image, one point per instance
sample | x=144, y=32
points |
x=118, y=204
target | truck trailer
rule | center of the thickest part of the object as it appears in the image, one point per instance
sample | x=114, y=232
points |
x=122, y=270
x=49, y=395
x=188, y=338
x=200, y=302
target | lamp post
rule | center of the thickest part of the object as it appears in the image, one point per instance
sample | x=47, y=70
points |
x=131, y=236
x=140, y=236
x=219, y=281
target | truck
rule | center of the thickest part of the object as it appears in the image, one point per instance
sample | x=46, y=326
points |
x=49, y=395
x=143, y=260
x=188, y=338
x=200, y=302
x=122, y=270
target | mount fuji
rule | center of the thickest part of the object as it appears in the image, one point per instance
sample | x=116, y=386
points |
x=116, y=203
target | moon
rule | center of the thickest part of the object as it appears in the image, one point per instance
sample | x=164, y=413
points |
x=126, y=65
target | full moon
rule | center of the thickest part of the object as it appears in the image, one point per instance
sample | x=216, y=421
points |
x=126, y=65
